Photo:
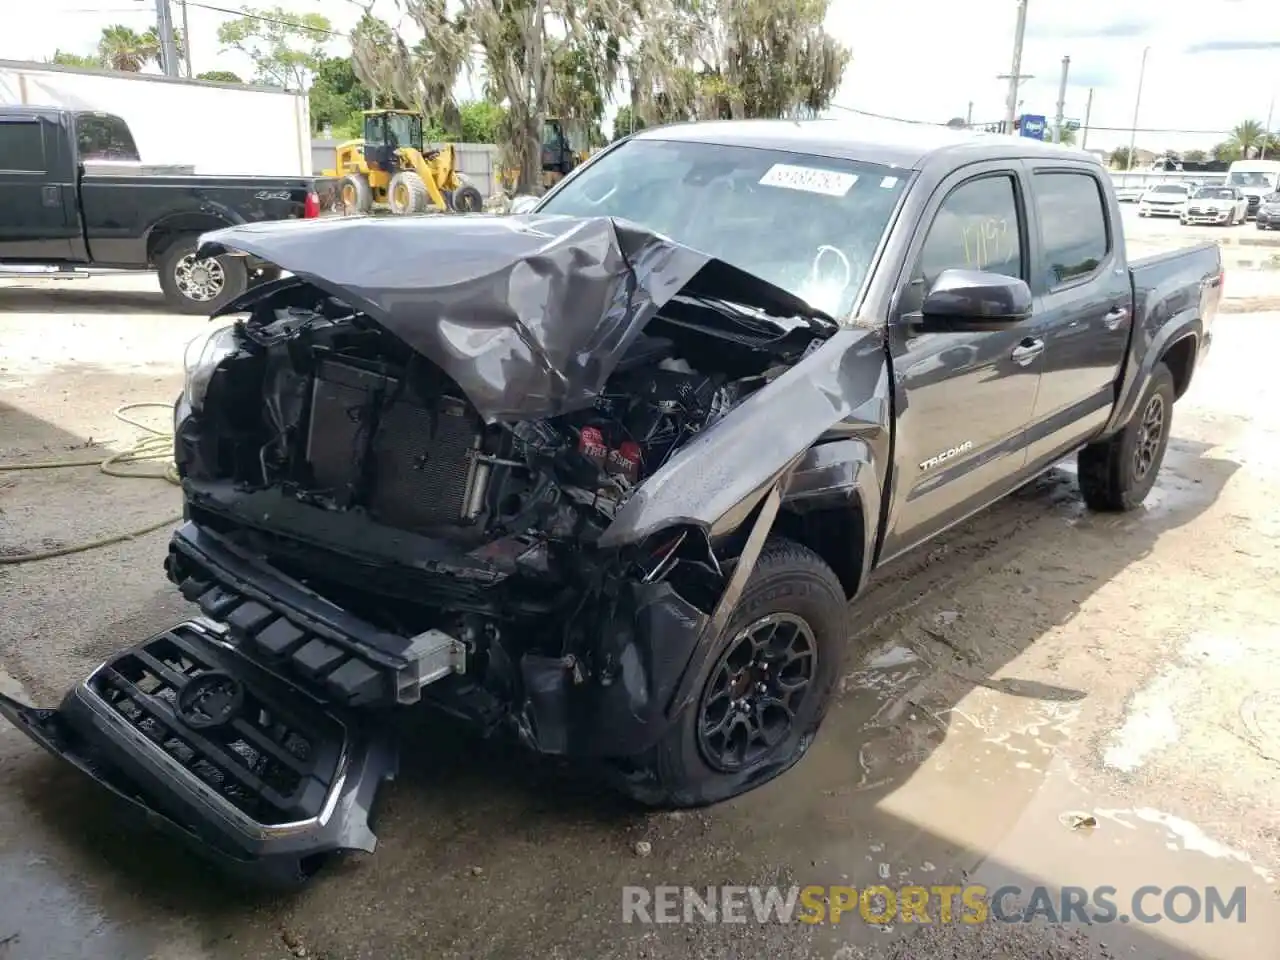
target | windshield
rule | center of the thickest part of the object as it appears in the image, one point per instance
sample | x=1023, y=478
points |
x=1169, y=188
x=1216, y=193
x=404, y=130
x=1242, y=178
x=809, y=225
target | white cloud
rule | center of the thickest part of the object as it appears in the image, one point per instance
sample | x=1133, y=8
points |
x=918, y=59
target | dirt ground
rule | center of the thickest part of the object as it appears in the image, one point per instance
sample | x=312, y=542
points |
x=1034, y=668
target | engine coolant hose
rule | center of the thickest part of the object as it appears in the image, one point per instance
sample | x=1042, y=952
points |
x=156, y=446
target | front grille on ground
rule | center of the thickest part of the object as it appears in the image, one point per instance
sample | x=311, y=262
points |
x=420, y=454
x=271, y=763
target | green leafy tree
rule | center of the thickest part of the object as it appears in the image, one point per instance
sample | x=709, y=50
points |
x=121, y=48
x=481, y=121
x=1248, y=138
x=84, y=61
x=337, y=96
x=286, y=48
x=706, y=59
x=151, y=43
x=1119, y=158
x=1227, y=152
x=626, y=122
x=1194, y=156
x=220, y=76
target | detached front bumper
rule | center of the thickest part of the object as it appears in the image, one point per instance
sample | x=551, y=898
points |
x=235, y=762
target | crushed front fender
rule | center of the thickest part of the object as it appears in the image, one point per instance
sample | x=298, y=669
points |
x=191, y=739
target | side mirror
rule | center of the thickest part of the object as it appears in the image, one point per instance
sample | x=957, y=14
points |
x=974, y=296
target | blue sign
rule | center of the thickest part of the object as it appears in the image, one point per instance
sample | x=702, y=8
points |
x=1032, y=125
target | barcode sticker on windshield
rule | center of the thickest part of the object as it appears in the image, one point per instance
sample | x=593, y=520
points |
x=811, y=179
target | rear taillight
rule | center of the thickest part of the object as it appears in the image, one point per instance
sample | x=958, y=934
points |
x=311, y=206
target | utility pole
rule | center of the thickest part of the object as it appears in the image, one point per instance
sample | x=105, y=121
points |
x=968, y=116
x=1088, y=109
x=1062, y=100
x=1015, y=74
x=1133, y=133
x=186, y=41
x=168, y=49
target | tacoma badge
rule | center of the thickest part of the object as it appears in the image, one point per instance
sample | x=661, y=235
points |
x=946, y=455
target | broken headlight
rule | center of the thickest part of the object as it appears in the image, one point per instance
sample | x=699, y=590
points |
x=202, y=358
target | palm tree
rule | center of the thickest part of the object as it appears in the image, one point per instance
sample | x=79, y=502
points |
x=124, y=49
x=1248, y=136
x=151, y=43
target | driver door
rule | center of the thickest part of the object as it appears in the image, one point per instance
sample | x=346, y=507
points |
x=964, y=396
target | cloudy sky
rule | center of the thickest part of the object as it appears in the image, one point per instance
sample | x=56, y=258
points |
x=1211, y=64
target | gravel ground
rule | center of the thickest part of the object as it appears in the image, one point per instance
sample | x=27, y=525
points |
x=1054, y=698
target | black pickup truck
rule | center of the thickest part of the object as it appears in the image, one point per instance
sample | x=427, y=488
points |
x=74, y=195
x=607, y=477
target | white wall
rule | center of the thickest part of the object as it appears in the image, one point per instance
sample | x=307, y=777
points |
x=217, y=128
x=479, y=161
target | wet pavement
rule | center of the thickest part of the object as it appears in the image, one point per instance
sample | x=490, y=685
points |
x=1041, y=697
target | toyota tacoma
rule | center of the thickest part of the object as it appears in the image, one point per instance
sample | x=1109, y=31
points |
x=606, y=477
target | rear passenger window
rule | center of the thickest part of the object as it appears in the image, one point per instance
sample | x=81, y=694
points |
x=976, y=228
x=21, y=146
x=100, y=136
x=1073, y=223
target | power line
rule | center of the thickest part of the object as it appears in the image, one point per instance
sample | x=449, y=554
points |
x=254, y=16
x=1092, y=127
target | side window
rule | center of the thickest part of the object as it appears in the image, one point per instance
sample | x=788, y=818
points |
x=22, y=146
x=1073, y=223
x=100, y=136
x=976, y=228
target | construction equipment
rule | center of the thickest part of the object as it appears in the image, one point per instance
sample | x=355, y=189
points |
x=563, y=148
x=389, y=167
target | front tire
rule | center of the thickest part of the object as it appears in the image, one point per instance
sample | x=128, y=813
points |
x=1117, y=474
x=199, y=287
x=407, y=194
x=772, y=676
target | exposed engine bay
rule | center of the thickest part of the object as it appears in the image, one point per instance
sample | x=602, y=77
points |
x=318, y=421
x=527, y=485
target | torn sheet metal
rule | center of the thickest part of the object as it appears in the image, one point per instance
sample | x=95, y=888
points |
x=529, y=315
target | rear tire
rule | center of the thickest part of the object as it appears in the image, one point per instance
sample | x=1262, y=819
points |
x=792, y=602
x=356, y=194
x=407, y=194
x=1117, y=474
x=199, y=287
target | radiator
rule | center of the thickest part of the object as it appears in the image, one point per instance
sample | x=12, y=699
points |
x=421, y=459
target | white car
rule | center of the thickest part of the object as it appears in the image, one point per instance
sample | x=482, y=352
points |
x=1164, y=200
x=1216, y=204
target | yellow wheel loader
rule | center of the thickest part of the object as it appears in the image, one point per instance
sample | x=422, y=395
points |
x=389, y=168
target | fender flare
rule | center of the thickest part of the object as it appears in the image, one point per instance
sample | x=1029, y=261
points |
x=1182, y=325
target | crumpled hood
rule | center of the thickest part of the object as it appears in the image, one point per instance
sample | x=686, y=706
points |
x=528, y=314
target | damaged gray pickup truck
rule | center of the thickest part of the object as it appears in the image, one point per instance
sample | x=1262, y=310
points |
x=605, y=477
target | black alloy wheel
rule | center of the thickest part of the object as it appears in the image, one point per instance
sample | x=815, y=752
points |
x=755, y=691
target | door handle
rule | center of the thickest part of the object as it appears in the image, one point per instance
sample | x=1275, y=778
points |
x=1027, y=351
x=1114, y=318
